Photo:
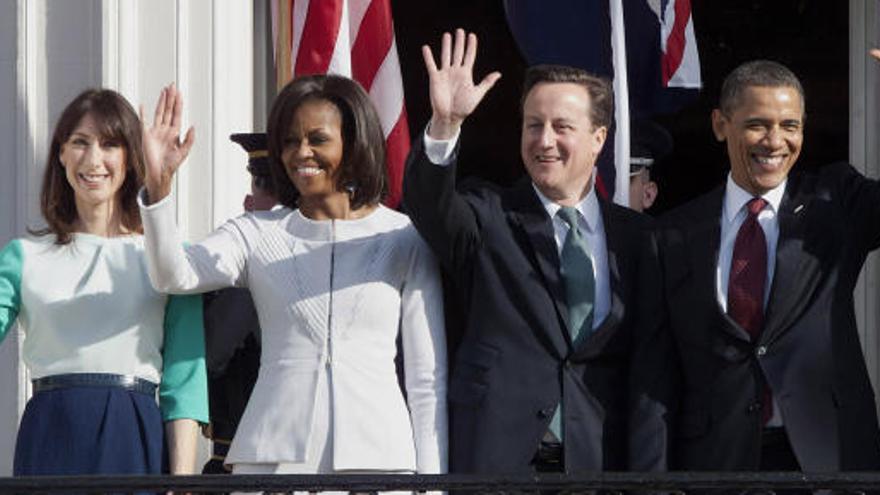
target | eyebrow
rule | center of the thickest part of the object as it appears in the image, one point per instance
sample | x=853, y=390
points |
x=762, y=120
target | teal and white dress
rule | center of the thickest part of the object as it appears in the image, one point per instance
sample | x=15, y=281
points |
x=88, y=308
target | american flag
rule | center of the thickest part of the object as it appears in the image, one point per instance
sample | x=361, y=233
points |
x=647, y=47
x=354, y=38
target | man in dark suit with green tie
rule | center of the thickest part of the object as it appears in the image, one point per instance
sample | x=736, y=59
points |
x=558, y=365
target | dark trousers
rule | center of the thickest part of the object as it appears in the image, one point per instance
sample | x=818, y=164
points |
x=777, y=455
x=776, y=452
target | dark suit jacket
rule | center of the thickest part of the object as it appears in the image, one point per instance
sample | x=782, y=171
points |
x=809, y=349
x=516, y=356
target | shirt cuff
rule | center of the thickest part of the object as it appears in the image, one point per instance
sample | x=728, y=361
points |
x=440, y=151
x=142, y=201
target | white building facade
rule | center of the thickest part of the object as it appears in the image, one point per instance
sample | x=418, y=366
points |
x=50, y=50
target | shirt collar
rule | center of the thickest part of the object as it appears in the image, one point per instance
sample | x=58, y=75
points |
x=735, y=197
x=588, y=207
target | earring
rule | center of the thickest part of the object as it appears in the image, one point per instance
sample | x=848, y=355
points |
x=350, y=188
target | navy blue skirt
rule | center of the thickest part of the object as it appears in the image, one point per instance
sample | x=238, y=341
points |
x=90, y=430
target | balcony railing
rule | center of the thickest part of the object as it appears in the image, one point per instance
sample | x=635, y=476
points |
x=676, y=482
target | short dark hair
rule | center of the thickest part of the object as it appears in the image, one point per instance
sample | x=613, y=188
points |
x=117, y=121
x=599, y=89
x=761, y=73
x=263, y=183
x=363, y=143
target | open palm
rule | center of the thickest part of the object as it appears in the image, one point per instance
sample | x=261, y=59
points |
x=454, y=95
x=163, y=149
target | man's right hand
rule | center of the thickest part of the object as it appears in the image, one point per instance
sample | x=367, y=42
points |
x=453, y=93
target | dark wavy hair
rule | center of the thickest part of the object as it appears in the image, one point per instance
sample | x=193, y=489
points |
x=117, y=121
x=362, y=171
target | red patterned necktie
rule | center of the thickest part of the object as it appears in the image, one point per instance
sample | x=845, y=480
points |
x=745, y=288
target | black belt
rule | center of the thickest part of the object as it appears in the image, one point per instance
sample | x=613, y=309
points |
x=68, y=380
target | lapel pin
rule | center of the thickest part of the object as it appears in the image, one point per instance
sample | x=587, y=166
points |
x=798, y=208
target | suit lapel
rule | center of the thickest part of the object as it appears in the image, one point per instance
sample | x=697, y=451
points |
x=530, y=215
x=703, y=244
x=614, y=239
x=798, y=267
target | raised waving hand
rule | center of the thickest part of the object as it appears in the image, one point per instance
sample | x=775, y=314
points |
x=163, y=149
x=454, y=95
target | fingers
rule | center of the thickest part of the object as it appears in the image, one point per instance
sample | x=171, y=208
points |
x=489, y=81
x=445, y=50
x=458, y=47
x=875, y=53
x=177, y=109
x=170, y=103
x=470, y=54
x=158, y=114
x=188, y=141
x=429, y=60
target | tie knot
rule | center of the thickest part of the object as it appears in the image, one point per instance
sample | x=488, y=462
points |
x=569, y=215
x=755, y=205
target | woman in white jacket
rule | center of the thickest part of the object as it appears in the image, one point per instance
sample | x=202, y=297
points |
x=335, y=277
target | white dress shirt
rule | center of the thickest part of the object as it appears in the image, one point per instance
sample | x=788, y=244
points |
x=733, y=214
x=440, y=152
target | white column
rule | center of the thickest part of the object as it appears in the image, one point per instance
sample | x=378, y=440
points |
x=206, y=48
x=864, y=108
x=51, y=50
x=11, y=113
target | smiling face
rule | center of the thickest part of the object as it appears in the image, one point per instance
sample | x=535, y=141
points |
x=559, y=144
x=764, y=132
x=313, y=149
x=94, y=164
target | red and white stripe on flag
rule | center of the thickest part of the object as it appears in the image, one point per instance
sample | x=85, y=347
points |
x=353, y=38
x=681, y=61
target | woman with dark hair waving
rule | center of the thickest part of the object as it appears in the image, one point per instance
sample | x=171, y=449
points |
x=335, y=277
x=99, y=340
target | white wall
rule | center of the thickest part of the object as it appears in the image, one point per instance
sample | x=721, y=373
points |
x=52, y=50
x=9, y=135
x=864, y=109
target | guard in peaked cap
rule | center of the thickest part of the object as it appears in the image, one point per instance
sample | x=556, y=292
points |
x=262, y=196
x=232, y=337
x=257, y=150
x=649, y=143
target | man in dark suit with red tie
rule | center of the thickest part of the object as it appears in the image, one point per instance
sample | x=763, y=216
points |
x=560, y=290
x=759, y=277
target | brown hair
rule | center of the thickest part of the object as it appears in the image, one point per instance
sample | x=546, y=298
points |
x=116, y=120
x=362, y=171
x=599, y=89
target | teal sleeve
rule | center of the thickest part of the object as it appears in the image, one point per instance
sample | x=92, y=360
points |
x=183, y=392
x=11, y=259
